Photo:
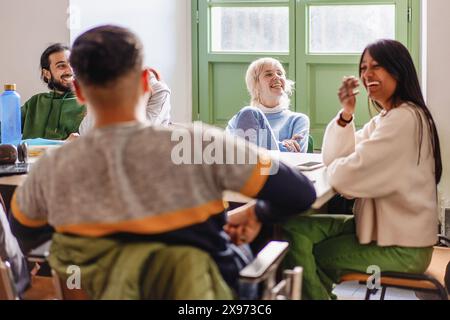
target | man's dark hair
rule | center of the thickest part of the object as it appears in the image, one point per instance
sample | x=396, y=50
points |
x=104, y=54
x=45, y=57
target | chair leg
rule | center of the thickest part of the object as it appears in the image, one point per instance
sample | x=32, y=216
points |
x=370, y=292
x=383, y=293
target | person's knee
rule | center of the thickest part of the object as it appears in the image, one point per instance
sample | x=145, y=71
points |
x=298, y=236
x=299, y=224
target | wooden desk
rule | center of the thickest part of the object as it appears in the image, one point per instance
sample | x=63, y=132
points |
x=9, y=183
x=319, y=177
x=16, y=180
x=34, y=152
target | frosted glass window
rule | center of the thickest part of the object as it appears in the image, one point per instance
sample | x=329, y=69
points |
x=349, y=28
x=250, y=29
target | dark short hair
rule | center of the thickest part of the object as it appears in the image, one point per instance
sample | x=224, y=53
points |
x=104, y=54
x=45, y=57
x=396, y=59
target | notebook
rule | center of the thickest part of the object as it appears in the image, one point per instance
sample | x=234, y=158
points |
x=14, y=169
x=43, y=142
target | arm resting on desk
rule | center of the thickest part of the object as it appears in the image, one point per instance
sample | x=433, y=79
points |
x=284, y=194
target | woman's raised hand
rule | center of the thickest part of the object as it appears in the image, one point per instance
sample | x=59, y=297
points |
x=347, y=95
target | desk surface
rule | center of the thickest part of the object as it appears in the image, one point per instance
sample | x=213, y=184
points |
x=34, y=152
x=319, y=177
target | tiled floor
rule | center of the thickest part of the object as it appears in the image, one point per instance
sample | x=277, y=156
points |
x=356, y=291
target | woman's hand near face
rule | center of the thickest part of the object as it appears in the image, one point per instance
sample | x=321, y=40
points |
x=347, y=96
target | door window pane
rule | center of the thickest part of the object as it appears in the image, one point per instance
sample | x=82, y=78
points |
x=349, y=28
x=250, y=29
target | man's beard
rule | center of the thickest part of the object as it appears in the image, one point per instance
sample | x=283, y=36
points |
x=57, y=85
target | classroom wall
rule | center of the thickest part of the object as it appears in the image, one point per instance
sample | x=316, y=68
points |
x=26, y=29
x=437, y=82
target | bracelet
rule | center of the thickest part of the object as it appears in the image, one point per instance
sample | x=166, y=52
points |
x=343, y=120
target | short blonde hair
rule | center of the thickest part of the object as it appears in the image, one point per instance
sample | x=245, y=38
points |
x=252, y=78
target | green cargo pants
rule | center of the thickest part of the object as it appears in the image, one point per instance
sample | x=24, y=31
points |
x=326, y=247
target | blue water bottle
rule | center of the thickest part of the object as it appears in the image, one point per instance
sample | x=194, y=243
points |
x=10, y=117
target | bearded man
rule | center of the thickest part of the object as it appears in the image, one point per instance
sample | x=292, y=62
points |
x=55, y=114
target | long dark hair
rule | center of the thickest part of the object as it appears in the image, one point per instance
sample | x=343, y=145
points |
x=395, y=58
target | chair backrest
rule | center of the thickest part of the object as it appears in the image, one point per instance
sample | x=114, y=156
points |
x=310, y=144
x=439, y=264
x=7, y=288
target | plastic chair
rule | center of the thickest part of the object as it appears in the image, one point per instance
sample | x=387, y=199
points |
x=311, y=144
x=41, y=288
x=7, y=288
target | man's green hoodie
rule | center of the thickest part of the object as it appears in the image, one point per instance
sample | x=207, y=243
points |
x=51, y=116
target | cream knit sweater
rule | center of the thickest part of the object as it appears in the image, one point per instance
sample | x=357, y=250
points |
x=378, y=165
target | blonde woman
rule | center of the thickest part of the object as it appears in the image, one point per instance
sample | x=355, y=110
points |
x=268, y=122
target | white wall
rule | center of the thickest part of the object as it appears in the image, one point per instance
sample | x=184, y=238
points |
x=26, y=29
x=438, y=66
x=165, y=29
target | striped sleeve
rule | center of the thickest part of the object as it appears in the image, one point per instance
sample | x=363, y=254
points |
x=245, y=167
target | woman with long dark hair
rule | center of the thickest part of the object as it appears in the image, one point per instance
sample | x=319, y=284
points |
x=391, y=167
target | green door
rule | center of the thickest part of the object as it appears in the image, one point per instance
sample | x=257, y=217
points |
x=318, y=41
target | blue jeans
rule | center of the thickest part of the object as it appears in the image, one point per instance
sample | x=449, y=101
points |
x=243, y=256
